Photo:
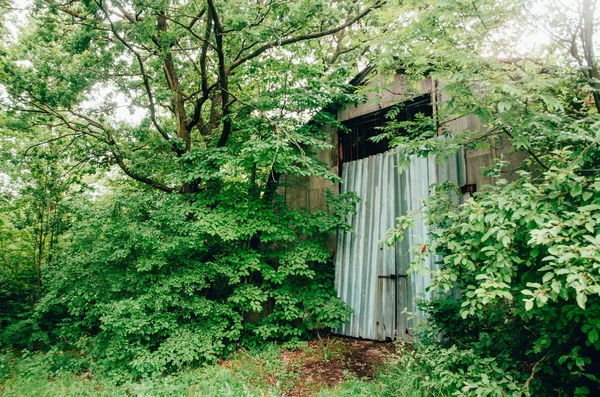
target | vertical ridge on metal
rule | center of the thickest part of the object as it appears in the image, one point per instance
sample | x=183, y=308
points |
x=365, y=270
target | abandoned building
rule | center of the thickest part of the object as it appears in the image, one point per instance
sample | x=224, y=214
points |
x=371, y=278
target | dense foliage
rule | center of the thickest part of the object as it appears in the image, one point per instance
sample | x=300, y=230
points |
x=518, y=289
x=525, y=256
x=145, y=288
x=144, y=143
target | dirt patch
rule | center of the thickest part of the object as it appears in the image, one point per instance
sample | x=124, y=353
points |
x=328, y=361
x=320, y=364
x=365, y=357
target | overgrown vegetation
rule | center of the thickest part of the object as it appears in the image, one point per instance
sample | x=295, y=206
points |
x=323, y=367
x=34, y=374
x=518, y=287
x=143, y=144
x=142, y=232
x=138, y=293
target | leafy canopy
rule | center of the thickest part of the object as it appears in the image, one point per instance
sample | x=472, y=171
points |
x=519, y=287
x=202, y=106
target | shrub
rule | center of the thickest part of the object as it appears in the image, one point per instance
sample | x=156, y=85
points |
x=148, y=288
x=524, y=256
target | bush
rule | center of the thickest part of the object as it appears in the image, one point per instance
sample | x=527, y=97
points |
x=525, y=257
x=148, y=288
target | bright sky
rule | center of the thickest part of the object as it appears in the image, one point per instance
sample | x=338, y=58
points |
x=101, y=92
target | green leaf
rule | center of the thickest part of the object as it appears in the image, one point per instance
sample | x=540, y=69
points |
x=544, y=342
x=581, y=300
x=488, y=234
x=593, y=336
x=504, y=106
x=562, y=359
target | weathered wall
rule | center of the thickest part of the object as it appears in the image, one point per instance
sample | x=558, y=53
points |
x=362, y=265
x=385, y=94
x=479, y=159
x=310, y=193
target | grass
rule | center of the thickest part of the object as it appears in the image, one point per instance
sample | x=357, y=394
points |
x=248, y=374
x=264, y=373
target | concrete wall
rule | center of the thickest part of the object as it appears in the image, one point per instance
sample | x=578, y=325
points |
x=479, y=159
x=385, y=94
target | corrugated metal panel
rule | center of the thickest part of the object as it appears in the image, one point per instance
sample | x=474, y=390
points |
x=386, y=193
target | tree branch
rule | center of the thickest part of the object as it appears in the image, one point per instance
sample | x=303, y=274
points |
x=71, y=12
x=195, y=118
x=257, y=22
x=533, y=372
x=78, y=134
x=296, y=39
x=173, y=83
x=110, y=141
x=139, y=178
x=531, y=153
x=589, y=7
x=145, y=77
x=223, y=75
x=53, y=112
x=196, y=19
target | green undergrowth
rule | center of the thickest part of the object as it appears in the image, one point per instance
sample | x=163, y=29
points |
x=422, y=370
x=36, y=374
x=263, y=372
x=414, y=371
x=52, y=374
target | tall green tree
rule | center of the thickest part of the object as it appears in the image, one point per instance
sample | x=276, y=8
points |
x=193, y=252
x=36, y=186
x=214, y=80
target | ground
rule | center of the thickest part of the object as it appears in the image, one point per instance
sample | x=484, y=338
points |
x=326, y=366
x=324, y=363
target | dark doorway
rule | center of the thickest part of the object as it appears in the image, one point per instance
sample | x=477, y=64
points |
x=355, y=144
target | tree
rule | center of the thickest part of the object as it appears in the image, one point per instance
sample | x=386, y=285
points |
x=33, y=215
x=213, y=79
x=194, y=252
x=522, y=257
